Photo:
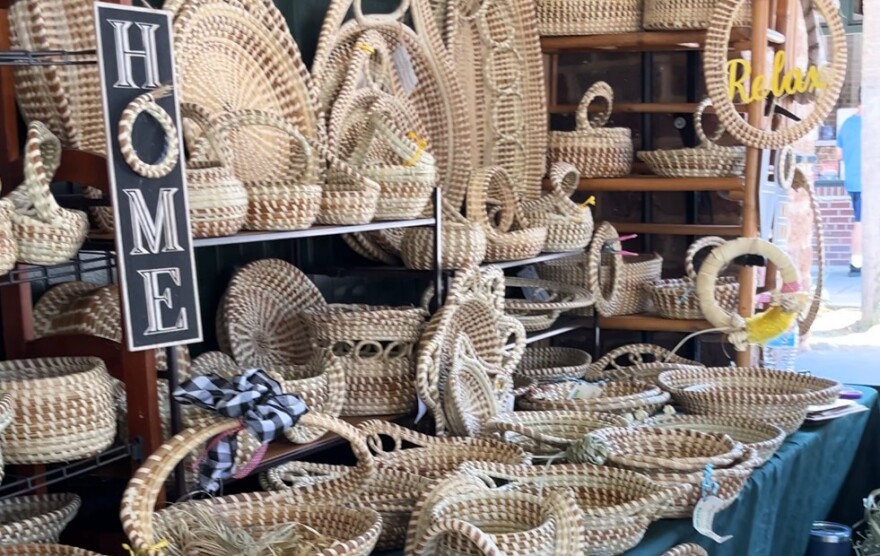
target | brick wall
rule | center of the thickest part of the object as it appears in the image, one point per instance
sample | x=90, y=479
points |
x=838, y=218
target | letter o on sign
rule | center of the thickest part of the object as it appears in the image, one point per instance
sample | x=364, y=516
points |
x=168, y=161
x=715, y=70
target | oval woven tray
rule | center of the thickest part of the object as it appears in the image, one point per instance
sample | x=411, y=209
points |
x=552, y=363
x=614, y=397
x=548, y=432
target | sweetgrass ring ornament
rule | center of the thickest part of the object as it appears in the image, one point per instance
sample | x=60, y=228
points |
x=146, y=104
x=785, y=304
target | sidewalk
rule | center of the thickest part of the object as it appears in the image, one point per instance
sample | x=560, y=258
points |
x=837, y=348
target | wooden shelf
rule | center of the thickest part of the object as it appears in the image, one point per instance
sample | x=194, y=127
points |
x=678, y=229
x=650, y=184
x=650, y=41
x=639, y=108
x=652, y=323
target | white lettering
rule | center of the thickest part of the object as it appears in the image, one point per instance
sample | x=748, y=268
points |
x=156, y=298
x=125, y=54
x=147, y=228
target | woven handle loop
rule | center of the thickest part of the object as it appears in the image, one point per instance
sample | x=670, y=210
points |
x=211, y=142
x=715, y=69
x=395, y=16
x=42, y=158
x=785, y=165
x=375, y=430
x=606, y=234
x=246, y=118
x=139, y=500
x=706, y=141
x=492, y=185
x=510, y=326
x=598, y=91
x=146, y=104
x=565, y=178
x=808, y=317
x=709, y=242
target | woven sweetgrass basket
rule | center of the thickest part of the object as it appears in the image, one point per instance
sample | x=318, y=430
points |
x=643, y=362
x=616, y=505
x=551, y=299
x=677, y=298
x=8, y=245
x=686, y=550
x=464, y=244
x=390, y=492
x=569, y=226
x=708, y=160
x=45, y=232
x=547, y=364
x=777, y=397
x=615, y=397
x=589, y=17
x=762, y=437
x=677, y=15
x=617, y=282
x=38, y=518
x=354, y=531
x=596, y=151
x=6, y=416
x=548, y=432
x=64, y=409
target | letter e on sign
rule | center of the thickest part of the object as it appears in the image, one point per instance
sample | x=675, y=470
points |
x=148, y=182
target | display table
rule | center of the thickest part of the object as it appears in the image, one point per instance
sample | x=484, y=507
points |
x=821, y=472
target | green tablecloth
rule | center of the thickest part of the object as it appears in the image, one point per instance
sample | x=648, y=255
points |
x=821, y=472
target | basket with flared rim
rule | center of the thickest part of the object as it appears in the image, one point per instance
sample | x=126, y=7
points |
x=617, y=505
x=647, y=448
x=433, y=457
x=677, y=298
x=614, y=397
x=596, y=151
x=218, y=201
x=45, y=232
x=763, y=437
x=708, y=160
x=354, y=531
x=462, y=515
x=64, y=409
x=391, y=492
x=492, y=203
x=617, y=282
x=569, y=225
x=548, y=432
x=286, y=202
x=37, y=518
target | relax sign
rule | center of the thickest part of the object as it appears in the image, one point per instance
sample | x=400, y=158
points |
x=743, y=85
x=147, y=176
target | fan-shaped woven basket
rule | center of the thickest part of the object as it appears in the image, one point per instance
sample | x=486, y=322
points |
x=38, y=518
x=677, y=298
x=64, y=409
x=596, y=151
x=260, y=318
x=617, y=282
x=705, y=161
x=616, y=505
x=777, y=397
x=588, y=17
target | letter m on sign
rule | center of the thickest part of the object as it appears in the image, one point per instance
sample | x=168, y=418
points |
x=154, y=249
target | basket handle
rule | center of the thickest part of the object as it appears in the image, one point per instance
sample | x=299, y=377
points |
x=139, y=499
x=785, y=164
x=492, y=182
x=211, y=136
x=709, y=242
x=706, y=141
x=409, y=147
x=484, y=543
x=807, y=318
x=42, y=158
x=511, y=326
x=600, y=90
x=604, y=235
x=392, y=17
x=375, y=429
x=565, y=178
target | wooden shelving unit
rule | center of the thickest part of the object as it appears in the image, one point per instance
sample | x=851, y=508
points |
x=770, y=23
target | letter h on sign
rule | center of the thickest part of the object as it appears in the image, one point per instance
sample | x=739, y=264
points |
x=153, y=242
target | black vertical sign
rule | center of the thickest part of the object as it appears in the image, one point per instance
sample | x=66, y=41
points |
x=153, y=241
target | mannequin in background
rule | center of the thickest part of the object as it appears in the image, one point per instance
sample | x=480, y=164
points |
x=849, y=141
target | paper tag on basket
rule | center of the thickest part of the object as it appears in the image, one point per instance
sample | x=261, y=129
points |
x=704, y=518
x=404, y=66
x=423, y=409
x=585, y=391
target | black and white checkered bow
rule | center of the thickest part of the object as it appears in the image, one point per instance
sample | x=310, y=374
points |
x=252, y=397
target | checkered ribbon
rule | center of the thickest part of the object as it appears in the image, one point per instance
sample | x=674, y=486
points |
x=253, y=398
